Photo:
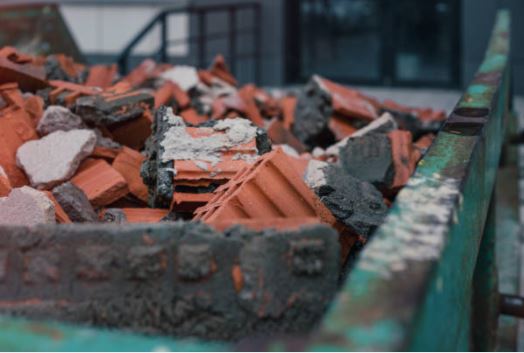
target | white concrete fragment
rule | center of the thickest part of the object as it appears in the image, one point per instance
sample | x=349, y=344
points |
x=186, y=77
x=384, y=124
x=55, y=157
x=179, y=145
x=315, y=176
x=287, y=149
x=318, y=152
x=57, y=118
x=26, y=206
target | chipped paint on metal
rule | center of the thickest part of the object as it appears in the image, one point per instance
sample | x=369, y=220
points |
x=416, y=231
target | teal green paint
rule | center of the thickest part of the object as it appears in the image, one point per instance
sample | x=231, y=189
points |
x=382, y=331
x=378, y=333
x=24, y=335
x=493, y=63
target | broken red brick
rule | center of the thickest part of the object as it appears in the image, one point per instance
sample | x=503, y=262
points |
x=164, y=94
x=11, y=94
x=60, y=214
x=34, y=106
x=270, y=188
x=66, y=93
x=128, y=163
x=16, y=128
x=421, y=146
x=424, y=142
x=269, y=107
x=100, y=182
x=341, y=127
x=347, y=102
x=109, y=154
x=198, y=177
x=144, y=215
x=280, y=135
x=220, y=70
x=424, y=114
x=133, y=133
x=241, y=103
x=205, y=77
x=69, y=66
x=403, y=162
x=101, y=75
x=247, y=94
x=171, y=91
x=141, y=73
x=17, y=67
x=5, y=184
x=188, y=201
x=192, y=117
x=288, y=104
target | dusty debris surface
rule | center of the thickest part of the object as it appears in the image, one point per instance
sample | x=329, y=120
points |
x=258, y=198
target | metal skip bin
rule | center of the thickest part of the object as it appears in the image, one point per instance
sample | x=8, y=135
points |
x=411, y=288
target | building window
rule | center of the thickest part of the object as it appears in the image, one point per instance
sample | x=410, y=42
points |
x=397, y=42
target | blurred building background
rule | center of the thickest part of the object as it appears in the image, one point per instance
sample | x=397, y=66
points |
x=409, y=43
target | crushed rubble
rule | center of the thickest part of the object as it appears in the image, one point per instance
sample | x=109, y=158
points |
x=182, y=146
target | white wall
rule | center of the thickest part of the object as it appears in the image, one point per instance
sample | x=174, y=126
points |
x=107, y=29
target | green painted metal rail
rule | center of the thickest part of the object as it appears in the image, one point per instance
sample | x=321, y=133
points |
x=413, y=285
x=412, y=288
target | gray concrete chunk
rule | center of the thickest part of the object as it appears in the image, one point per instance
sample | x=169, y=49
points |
x=26, y=206
x=75, y=203
x=58, y=118
x=55, y=157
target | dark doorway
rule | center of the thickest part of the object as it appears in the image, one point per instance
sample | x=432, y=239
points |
x=387, y=42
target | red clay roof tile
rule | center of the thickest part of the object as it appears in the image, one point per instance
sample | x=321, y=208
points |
x=128, y=163
x=278, y=134
x=101, y=75
x=189, y=202
x=348, y=102
x=270, y=188
x=192, y=117
x=5, y=185
x=288, y=104
x=20, y=68
x=142, y=215
x=402, y=154
x=220, y=70
x=133, y=133
x=68, y=92
x=16, y=128
x=171, y=91
x=101, y=183
x=341, y=127
x=109, y=154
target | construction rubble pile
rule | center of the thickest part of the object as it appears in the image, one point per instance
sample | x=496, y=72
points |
x=175, y=143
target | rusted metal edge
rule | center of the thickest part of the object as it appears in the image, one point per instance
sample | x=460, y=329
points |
x=411, y=287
